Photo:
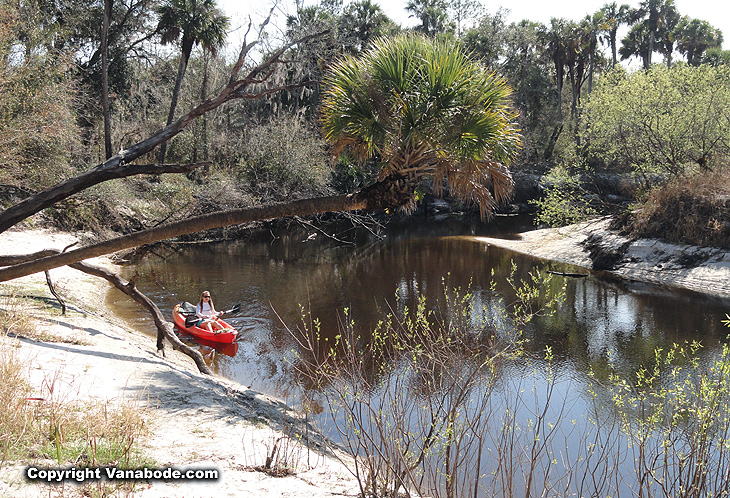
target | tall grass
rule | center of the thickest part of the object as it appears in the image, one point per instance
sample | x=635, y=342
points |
x=41, y=423
x=15, y=317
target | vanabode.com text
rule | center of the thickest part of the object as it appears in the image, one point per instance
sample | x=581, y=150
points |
x=113, y=473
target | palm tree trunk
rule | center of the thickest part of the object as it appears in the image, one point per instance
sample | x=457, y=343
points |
x=392, y=192
x=613, y=46
x=647, y=62
x=190, y=225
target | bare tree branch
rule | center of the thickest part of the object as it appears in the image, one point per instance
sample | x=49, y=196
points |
x=119, y=166
x=164, y=328
x=52, y=288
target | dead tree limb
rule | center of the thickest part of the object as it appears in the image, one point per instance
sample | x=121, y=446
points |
x=52, y=288
x=164, y=328
x=119, y=165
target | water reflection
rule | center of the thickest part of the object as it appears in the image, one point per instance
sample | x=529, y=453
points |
x=277, y=275
x=604, y=325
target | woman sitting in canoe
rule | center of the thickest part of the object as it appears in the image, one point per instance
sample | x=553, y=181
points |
x=207, y=314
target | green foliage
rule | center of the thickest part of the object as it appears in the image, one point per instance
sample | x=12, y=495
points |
x=362, y=21
x=283, y=158
x=349, y=175
x=695, y=37
x=424, y=108
x=660, y=120
x=38, y=133
x=433, y=14
x=194, y=22
x=487, y=40
x=564, y=202
x=675, y=414
x=716, y=57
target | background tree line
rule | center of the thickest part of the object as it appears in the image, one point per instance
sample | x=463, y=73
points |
x=81, y=80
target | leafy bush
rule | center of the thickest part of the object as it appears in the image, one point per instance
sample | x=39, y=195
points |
x=283, y=158
x=428, y=406
x=564, y=202
x=660, y=120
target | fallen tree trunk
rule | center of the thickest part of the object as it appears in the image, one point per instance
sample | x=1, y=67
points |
x=392, y=192
x=164, y=328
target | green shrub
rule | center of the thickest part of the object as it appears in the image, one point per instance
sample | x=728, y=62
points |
x=660, y=120
x=283, y=158
x=565, y=201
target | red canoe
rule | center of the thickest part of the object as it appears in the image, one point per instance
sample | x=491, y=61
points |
x=226, y=349
x=225, y=337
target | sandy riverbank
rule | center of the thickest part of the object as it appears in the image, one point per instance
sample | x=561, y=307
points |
x=201, y=421
x=194, y=420
x=594, y=246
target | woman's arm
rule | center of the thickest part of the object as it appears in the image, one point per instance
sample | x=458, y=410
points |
x=199, y=311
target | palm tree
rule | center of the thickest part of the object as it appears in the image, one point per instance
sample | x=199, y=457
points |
x=614, y=16
x=424, y=109
x=667, y=34
x=656, y=14
x=364, y=20
x=636, y=43
x=588, y=32
x=433, y=15
x=555, y=41
x=694, y=37
x=193, y=22
x=421, y=108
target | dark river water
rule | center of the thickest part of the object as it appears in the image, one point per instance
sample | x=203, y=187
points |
x=277, y=275
x=274, y=275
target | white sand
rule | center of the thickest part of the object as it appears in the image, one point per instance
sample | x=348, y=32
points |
x=206, y=421
x=645, y=260
x=195, y=420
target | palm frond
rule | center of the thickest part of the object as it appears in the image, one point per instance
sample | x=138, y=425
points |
x=425, y=108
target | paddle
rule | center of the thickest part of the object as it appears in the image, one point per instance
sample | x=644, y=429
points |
x=191, y=319
x=236, y=308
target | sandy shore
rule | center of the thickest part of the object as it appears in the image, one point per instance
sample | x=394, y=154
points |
x=208, y=421
x=593, y=246
x=194, y=420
